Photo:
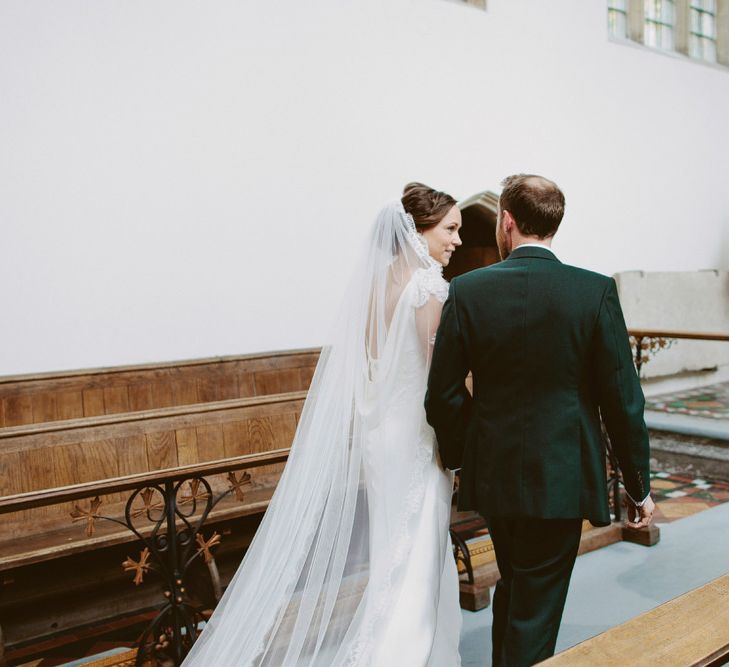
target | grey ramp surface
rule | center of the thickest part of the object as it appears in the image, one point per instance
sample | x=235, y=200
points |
x=621, y=581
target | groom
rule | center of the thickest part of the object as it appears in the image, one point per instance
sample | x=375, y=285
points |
x=549, y=353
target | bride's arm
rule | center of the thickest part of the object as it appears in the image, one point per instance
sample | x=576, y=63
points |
x=448, y=402
x=427, y=318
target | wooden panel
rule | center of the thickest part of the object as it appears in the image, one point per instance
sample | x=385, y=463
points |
x=93, y=402
x=69, y=405
x=184, y=392
x=81, y=463
x=284, y=429
x=44, y=408
x=10, y=481
x=271, y=432
x=260, y=434
x=208, y=389
x=246, y=385
x=161, y=394
x=306, y=374
x=161, y=450
x=187, y=453
x=116, y=400
x=210, y=442
x=35, y=470
x=97, y=448
x=131, y=454
x=228, y=387
x=236, y=438
x=18, y=410
x=278, y=382
x=30, y=399
x=140, y=397
x=131, y=457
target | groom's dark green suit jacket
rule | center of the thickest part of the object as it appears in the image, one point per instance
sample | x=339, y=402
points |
x=549, y=353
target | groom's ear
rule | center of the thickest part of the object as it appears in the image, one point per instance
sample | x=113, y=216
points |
x=508, y=221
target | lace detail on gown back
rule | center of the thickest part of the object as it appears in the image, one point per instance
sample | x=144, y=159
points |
x=429, y=283
x=412, y=611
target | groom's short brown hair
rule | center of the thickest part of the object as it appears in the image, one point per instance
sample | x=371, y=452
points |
x=535, y=203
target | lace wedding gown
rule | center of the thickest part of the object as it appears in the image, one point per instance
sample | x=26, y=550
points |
x=412, y=570
x=353, y=563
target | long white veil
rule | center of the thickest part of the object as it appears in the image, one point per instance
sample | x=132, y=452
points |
x=306, y=592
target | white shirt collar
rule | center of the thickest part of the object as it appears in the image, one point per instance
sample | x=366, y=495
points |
x=536, y=245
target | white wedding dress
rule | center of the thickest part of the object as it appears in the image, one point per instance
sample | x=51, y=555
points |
x=353, y=563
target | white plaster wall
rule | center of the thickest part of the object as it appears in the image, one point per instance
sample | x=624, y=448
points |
x=182, y=178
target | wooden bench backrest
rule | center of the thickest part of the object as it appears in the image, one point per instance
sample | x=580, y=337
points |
x=53, y=455
x=35, y=399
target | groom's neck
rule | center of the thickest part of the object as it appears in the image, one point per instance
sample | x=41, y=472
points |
x=523, y=240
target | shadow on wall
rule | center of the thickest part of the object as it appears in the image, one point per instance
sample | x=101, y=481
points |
x=478, y=235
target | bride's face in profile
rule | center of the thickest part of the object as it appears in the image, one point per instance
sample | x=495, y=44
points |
x=443, y=238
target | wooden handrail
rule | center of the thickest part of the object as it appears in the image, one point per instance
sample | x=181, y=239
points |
x=32, y=499
x=691, y=335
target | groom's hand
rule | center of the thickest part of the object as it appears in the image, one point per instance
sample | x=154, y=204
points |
x=640, y=517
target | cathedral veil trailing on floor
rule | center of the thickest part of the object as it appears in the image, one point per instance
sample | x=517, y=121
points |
x=352, y=559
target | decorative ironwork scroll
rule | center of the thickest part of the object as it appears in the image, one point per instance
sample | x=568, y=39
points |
x=168, y=522
x=646, y=347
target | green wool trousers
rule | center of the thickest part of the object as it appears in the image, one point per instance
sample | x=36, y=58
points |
x=535, y=559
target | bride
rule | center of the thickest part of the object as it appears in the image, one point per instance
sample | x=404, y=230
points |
x=352, y=563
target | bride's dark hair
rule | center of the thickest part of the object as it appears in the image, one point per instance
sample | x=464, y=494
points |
x=426, y=205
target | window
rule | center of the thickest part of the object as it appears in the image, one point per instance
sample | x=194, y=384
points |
x=702, y=30
x=618, y=18
x=698, y=29
x=660, y=21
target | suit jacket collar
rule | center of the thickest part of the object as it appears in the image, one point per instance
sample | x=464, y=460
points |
x=532, y=252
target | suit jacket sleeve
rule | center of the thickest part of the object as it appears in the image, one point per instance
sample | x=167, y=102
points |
x=621, y=397
x=447, y=401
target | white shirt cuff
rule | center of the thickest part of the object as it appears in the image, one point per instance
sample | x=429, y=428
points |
x=637, y=504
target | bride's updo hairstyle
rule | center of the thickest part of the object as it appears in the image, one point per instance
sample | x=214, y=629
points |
x=426, y=205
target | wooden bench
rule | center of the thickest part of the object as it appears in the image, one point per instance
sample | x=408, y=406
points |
x=43, y=554
x=689, y=631
x=98, y=588
x=46, y=456
x=47, y=397
x=53, y=575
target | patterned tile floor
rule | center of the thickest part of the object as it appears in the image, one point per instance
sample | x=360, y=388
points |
x=679, y=496
x=711, y=401
x=676, y=497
